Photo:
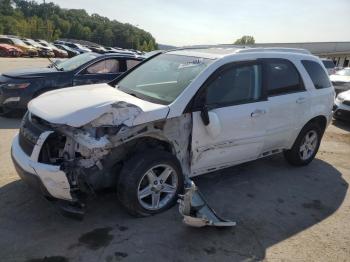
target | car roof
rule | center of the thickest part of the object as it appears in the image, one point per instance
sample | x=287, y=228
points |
x=220, y=52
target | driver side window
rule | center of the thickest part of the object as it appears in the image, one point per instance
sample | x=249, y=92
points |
x=235, y=85
x=108, y=66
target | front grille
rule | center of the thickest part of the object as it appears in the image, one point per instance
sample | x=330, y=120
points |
x=29, y=134
x=346, y=102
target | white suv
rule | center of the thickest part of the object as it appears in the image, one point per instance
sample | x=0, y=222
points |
x=177, y=115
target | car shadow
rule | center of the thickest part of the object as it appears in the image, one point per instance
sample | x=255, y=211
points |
x=345, y=125
x=270, y=201
x=10, y=123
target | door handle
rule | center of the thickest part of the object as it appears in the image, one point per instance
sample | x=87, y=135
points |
x=258, y=112
x=301, y=100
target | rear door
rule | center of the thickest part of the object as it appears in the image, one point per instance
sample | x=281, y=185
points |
x=238, y=113
x=102, y=71
x=288, y=102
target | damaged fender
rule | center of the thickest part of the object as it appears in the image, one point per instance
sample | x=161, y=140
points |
x=196, y=212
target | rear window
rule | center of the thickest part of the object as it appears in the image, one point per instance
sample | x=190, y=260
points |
x=318, y=76
x=328, y=64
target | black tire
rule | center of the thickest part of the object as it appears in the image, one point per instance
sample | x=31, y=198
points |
x=293, y=156
x=134, y=171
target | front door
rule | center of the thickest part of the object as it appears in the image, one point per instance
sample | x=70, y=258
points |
x=237, y=112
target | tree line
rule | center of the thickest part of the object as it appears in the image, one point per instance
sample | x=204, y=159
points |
x=50, y=22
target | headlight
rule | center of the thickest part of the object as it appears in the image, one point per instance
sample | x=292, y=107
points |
x=15, y=85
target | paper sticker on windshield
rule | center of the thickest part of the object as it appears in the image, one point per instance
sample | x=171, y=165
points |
x=192, y=63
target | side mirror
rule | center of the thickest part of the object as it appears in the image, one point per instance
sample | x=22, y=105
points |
x=205, y=115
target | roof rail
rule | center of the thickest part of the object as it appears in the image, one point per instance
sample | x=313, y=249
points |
x=275, y=49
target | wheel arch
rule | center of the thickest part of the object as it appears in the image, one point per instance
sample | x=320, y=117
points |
x=321, y=120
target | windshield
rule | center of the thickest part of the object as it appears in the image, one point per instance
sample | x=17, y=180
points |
x=343, y=72
x=77, y=61
x=163, y=78
x=17, y=41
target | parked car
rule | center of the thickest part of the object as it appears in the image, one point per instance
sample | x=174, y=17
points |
x=119, y=51
x=59, y=53
x=71, y=52
x=10, y=50
x=97, y=49
x=341, y=80
x=111, y=49
x=179, y=114
x=42, y=50
x=77, y=47
x=330, y=66
x=26, y=49
x=341, y=109
x=18, y=87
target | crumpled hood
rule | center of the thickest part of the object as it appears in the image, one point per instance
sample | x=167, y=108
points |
x=99, y=104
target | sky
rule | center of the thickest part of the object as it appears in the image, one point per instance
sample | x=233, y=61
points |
x=190, y=22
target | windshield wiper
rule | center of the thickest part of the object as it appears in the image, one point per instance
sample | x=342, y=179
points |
x=55, y=65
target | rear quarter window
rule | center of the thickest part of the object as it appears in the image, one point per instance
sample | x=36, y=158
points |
x=328, y=64
x=317, y=74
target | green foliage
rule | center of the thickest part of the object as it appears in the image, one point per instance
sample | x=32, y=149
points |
x=50, y=22
x=245, y=40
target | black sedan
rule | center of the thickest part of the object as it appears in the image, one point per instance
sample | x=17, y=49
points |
x=17, y=88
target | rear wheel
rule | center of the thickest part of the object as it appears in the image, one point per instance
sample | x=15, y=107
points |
x=150, y=182
x=305, y=146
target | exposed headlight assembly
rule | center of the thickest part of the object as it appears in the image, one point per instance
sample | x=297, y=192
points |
x=15, y=85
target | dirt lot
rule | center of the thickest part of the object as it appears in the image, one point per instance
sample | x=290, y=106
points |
x=283, y=213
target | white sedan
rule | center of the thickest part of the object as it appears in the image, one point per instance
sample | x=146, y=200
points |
x=341, y=80
x=341, y=109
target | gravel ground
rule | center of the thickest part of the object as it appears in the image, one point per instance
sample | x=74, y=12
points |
x=283, y=213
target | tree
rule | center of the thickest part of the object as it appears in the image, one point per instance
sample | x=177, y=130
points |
x=48, y=21
x=245, y=40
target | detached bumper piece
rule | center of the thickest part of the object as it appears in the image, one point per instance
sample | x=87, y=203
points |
x=196, y=212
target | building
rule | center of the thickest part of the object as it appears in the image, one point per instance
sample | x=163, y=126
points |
x=339, y=52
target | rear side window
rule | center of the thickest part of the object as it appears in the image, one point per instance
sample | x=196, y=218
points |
x=131, y=63
x=317, y=74
x=108, y=66
x=282, y=77
x=328, y=64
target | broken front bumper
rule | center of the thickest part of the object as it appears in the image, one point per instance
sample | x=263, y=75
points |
x=196, y=212
x=49, y=179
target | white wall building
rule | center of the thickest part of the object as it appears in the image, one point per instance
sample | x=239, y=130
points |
x=339, y=52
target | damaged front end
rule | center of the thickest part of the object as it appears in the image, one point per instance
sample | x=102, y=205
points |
x=76, y=153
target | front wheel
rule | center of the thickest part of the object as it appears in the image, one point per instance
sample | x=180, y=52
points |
x=305, y=146
x=150, y=182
